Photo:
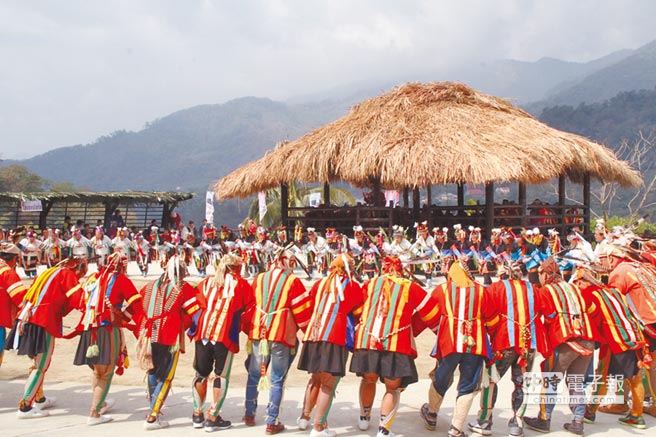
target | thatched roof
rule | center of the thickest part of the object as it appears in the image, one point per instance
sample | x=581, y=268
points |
x=123, y=197
x=430, y=134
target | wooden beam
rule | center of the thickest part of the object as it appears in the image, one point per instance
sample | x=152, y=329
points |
x=489, y=209
x=561, y=203
x=326, y=194
x=586, y=204
x=376, y=192
x=461, y=195
x=415, y=204
x=284, y=204
x=521, y=201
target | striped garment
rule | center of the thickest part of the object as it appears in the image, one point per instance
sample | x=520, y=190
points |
x=221, y=311
x=462, y=329
x=164, y=306
x=612, y=320
x=565, y=313
x=105, y=295
x=334, y=298
x=638, y=282
x=389, y=306
x=512, y=317
x=12, y=292
x=52, y=295
x=282, y=306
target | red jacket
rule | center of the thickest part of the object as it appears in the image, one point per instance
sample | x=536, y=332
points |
x=164, y=306
x=54, y=293
x=12, y=292
x=221, y=310
x=512, y=317
x=565, y=313
x=120, y=291
x=330, y=311
x=461, y=328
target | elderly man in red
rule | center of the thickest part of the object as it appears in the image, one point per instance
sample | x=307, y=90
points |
x=54, y=293
x=12, y=290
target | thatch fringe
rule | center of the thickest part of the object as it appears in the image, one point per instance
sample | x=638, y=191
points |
x=430, y=134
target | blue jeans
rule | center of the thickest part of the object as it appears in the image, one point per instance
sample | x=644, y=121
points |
x=278, y=362
x=470, y=366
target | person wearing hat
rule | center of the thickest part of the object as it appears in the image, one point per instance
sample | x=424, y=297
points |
x=571, y=341
x=423, y=249
x=441, y=239
x=31, y=253
x=166, y=302
x=122, y=243
x=324, y=352
x=461, y=238
x=12, y=290
x=53, y=247
x=224, y=298
x=102, y=246
x=399, y=247
x=317, y=249
x=622, y=344
x=282, y=307
x=515, y=329
x=110, y=301
x=636, y=281
x=461, y=343
x=384, y=348
x=142, y=247
x=52, y=295
x=78, y=245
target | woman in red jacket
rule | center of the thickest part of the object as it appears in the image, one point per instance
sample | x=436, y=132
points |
x=324, y=350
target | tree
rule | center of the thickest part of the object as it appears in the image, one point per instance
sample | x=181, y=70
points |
x=640, y=156
x=17, y=178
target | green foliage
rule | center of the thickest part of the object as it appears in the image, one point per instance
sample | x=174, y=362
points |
x=621, y=118
x=17, y=178
x=626, y=222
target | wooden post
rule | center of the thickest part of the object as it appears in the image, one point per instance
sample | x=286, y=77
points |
x=376, y=191
x=489, y=209
x=587, y=229
x=521, y=201
x=429, y=195
x=43, y=215
x=415, y=204
x=406, y=197
x=561, y=204
x=326, y=194
x=461, y=195
x=284, y=204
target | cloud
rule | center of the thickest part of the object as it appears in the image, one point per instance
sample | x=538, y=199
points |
x=76, y=70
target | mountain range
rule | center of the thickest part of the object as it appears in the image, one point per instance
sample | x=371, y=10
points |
x=189, y=149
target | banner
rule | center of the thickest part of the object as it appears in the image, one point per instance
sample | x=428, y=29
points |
x=209, y=207
x=261, y=197
x=315, y=200
x=31, y=206
x=392, y=196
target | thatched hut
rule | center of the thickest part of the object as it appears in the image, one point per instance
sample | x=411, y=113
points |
x=420, y=135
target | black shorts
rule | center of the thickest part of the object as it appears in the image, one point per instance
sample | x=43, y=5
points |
x=162, y=359
x=210, y=355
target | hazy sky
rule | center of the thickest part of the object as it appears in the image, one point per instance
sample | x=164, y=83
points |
x=74, y=70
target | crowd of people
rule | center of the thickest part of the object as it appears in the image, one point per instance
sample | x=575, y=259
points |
x=498, y=306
